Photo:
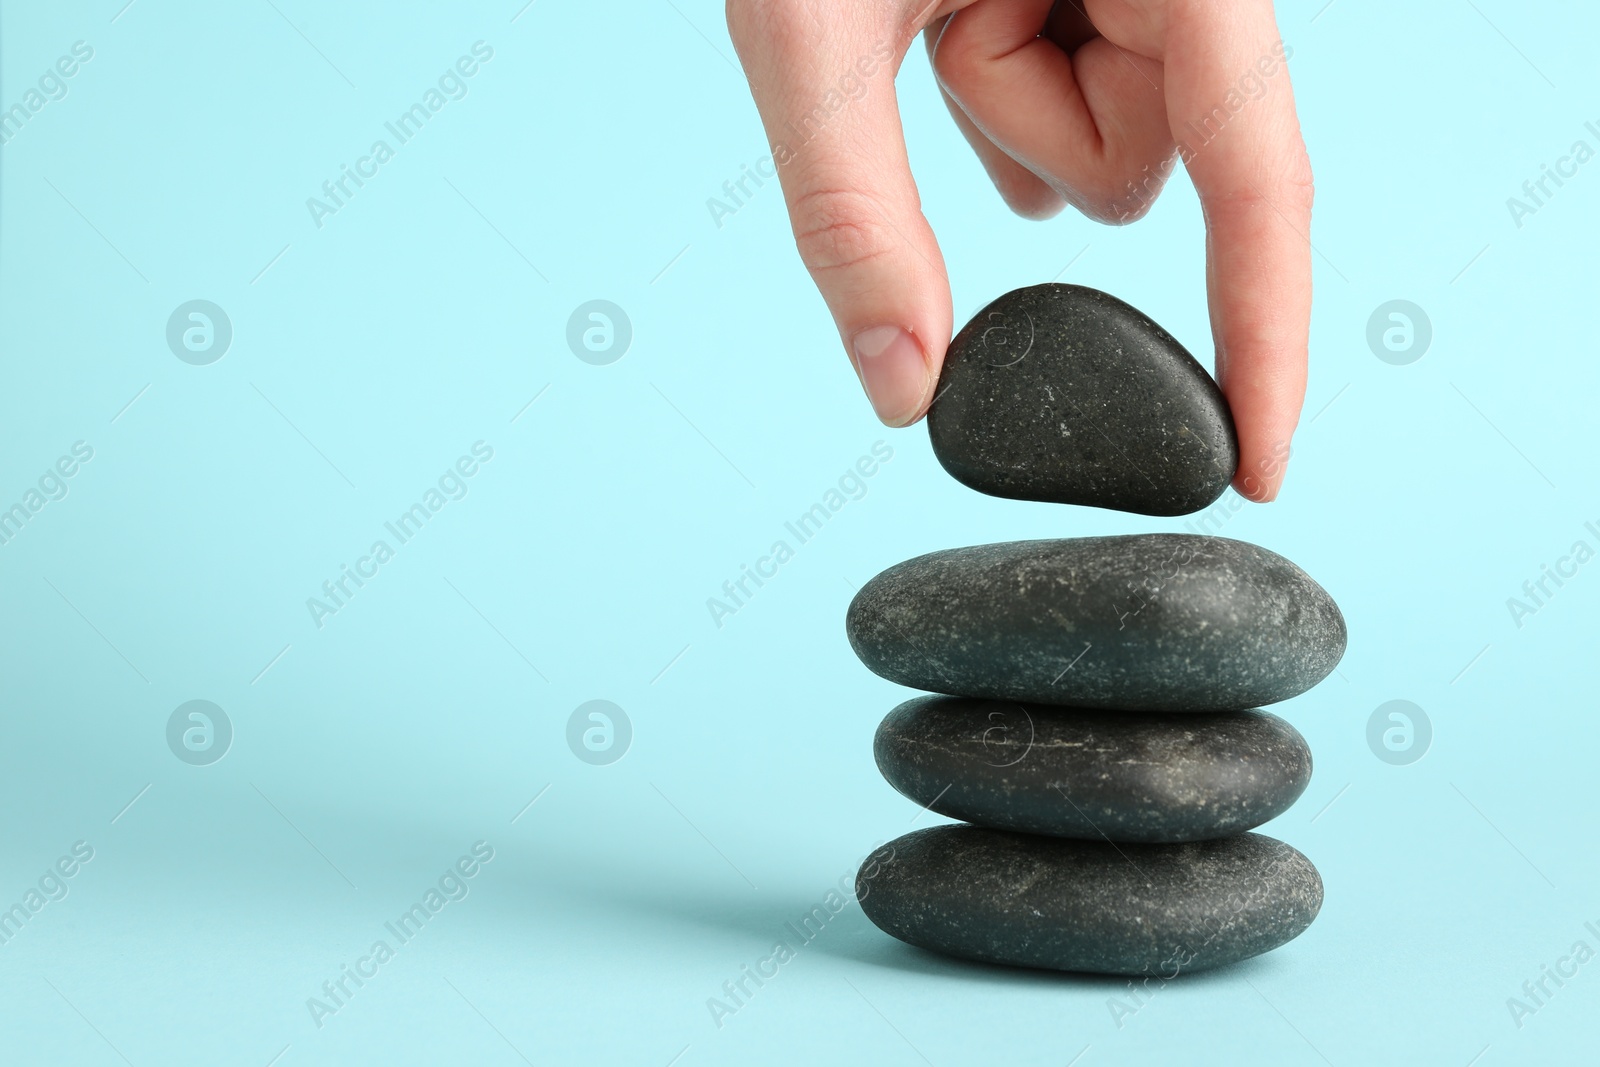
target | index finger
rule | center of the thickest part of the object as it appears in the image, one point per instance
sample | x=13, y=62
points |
x=1232, y=113
x=822, y=76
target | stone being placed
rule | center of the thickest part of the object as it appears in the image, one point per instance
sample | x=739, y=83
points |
x=1095, y=775
x=1144, y=622
x=1093, y=906
x=1063, y=393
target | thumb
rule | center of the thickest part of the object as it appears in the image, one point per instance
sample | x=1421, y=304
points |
x=823, y=79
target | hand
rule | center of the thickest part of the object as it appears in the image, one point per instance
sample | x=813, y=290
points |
x=1064, y=104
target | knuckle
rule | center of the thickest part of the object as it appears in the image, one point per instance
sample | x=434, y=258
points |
x=836, y=229
x=1299, y=184
x=1284, y=185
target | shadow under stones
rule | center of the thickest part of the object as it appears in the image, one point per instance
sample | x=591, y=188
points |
x=763, y=917
x=868, y=946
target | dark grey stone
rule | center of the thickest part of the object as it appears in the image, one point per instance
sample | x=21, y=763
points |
x=1098, y=775
x=1089, y=906
x=1148, y=622
x=1067, y=394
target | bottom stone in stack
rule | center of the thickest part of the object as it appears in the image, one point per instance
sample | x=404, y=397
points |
x=1092, y=906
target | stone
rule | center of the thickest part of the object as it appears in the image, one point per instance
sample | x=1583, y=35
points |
x=1094, y=775
x=1092, y=906
x=1143, y=622
x=1066, y=394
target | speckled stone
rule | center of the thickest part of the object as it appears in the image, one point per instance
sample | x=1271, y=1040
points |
x=1067, y=394
x=1147, y=622
x=1096, y=775
x=1090, y=906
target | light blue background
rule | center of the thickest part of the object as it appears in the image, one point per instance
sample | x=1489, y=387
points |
x=371, y=353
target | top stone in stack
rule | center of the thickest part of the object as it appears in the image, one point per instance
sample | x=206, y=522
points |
x=1141, y=622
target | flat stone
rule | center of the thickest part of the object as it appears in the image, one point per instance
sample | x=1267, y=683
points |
x=1146, y=622
x=1063, y=393
x=1096, y=775
x=1125, y=909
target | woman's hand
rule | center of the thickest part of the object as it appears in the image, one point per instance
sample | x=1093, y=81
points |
x=1085, y=105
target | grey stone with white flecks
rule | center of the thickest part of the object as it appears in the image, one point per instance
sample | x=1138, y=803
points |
x=1095, y=775
x=1151, y=622
x=1063, y=393
x=1092, y=906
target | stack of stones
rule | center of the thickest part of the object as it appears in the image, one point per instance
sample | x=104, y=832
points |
x=1098, y=726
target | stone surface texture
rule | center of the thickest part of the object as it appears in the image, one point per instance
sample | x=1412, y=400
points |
x=1063, y=393
x=1144, y=622
x=1126, y=909
x=1094, y=775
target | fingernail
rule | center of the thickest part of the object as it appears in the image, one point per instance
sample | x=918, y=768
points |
x=893, y=372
